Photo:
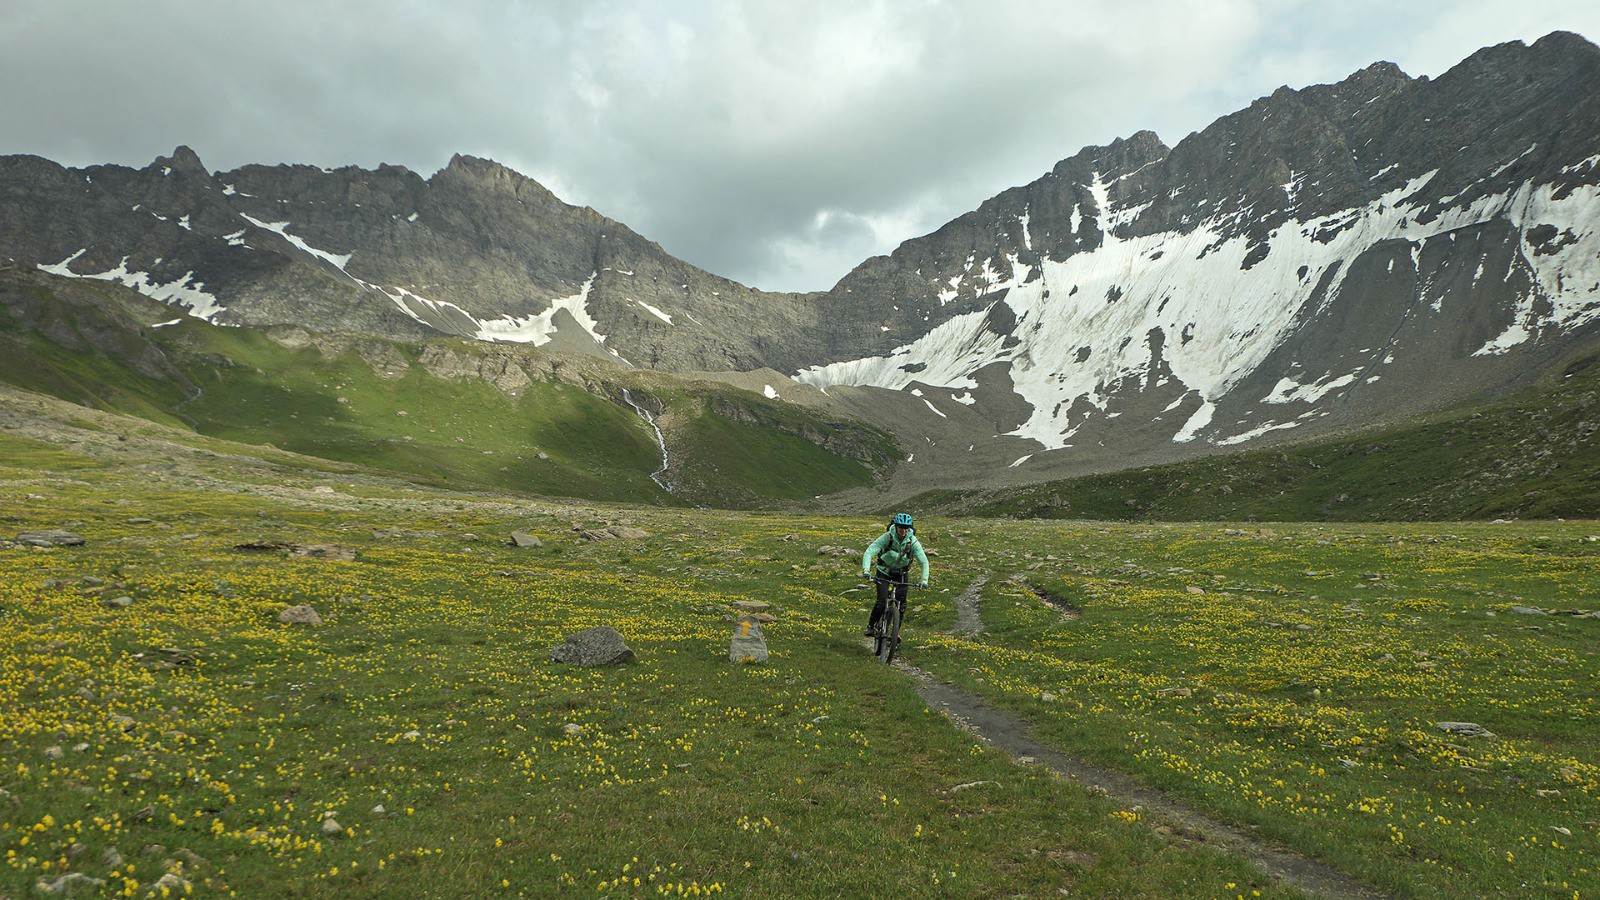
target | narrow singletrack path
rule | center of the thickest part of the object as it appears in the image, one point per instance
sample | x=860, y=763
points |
x=967, y=621
x=1015, y=736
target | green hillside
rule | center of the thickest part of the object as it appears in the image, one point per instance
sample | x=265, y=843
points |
x=562, y=430
x=1535, y=455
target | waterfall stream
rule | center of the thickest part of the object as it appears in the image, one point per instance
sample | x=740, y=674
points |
x=660, y=438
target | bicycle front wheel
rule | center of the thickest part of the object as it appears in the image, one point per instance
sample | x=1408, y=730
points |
x=891, y=639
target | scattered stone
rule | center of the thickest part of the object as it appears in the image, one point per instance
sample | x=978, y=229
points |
x=1196, y=589
x=748, y=644
x=412, y=735
x=117, y=602
x=628, y=533
x=171, y=882
x=763, y=618
x=69, y=883
x=322, y=489
x=572, y=728
x=968, y=786
x=379, y=810
x=1176, y=692
x=54, y=752
x=751, y=605
x=331, y=827
x=112, y=858
x=1465, y=729
x=145, y=814
x=837, y=551
x=1529, y=611
x=598, y=646
x=50, y=538
x=524, y=539
x=300, y=615
x=190, y=859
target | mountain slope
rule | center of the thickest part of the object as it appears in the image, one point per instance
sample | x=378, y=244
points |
x=446, y=411
x=1325, y=258
x=1329, y=258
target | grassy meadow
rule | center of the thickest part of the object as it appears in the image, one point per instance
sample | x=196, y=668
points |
x=1286, y=678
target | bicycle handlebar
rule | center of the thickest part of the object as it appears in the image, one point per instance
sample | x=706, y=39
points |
x=906, y=584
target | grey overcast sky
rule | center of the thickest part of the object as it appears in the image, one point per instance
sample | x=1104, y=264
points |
x=775, y=142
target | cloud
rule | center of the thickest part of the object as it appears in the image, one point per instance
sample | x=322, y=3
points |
x=776, y=143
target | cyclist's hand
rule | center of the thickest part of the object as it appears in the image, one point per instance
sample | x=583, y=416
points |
x=866, y=574
x=923, y=584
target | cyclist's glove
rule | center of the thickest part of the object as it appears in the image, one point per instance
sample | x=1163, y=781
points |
x=923, y=584
x=866, y=574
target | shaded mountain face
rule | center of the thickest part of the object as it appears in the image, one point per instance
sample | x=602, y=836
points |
x=475, y=251
x=1327, y=257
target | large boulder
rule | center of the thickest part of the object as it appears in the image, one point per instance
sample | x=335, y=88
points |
x=50, y=538
x=300, y=615
x=598, y=646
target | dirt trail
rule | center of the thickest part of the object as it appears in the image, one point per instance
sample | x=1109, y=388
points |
x=967, y=620
x=1015, y=736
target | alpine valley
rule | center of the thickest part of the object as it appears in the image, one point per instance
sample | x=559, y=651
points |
x=1323, y=268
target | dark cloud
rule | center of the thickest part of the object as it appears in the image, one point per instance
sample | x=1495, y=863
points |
x=776, y=143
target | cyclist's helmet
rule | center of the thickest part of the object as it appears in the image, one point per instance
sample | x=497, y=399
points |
x=902, y=519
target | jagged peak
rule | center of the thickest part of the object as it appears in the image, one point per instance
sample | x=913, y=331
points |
x=1557, y=45
x=1120, y=157
x=183, y=159
x=490, y=174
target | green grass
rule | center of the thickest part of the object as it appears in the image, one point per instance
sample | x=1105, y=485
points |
x=727, y=445
x=1286, y=679
x=429, y=692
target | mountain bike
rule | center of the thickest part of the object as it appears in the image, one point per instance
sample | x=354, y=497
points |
x=887, y=640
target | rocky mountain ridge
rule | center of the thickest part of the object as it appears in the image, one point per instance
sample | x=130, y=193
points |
x=1324, y=259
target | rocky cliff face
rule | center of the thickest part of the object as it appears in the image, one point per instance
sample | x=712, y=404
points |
x=1326, y=257
x=477, y=251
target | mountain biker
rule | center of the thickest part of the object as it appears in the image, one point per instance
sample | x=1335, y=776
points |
x=890, y=557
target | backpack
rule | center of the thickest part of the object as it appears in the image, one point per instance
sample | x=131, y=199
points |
x=897, y=555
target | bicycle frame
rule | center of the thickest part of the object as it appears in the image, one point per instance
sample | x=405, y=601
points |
x=887, y=641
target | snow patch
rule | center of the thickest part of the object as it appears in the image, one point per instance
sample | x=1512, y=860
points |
x=181, y=292
x=656, y=312
x=339, y=261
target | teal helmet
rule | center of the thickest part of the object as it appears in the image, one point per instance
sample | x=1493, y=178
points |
x=902, y=519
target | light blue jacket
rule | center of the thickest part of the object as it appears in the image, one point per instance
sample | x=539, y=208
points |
x=894, y=555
